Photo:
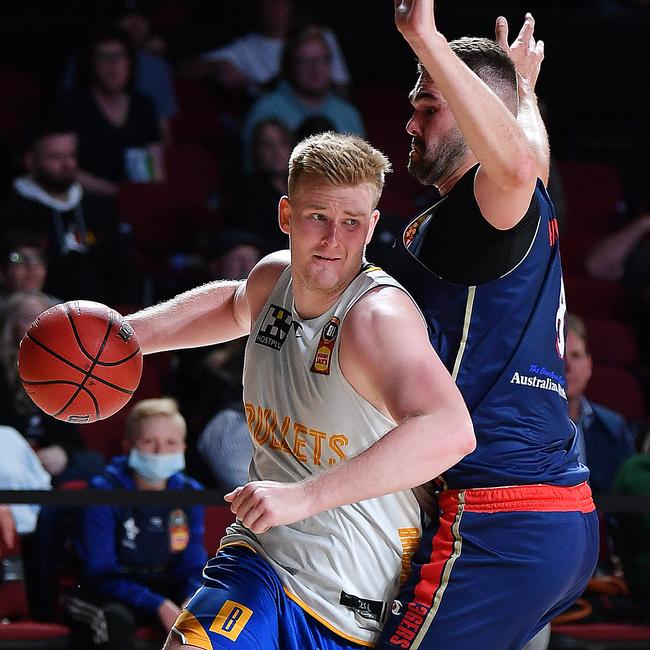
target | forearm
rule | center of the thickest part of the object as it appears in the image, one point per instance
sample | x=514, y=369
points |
x=489, y=128
x=532, y=124
x=416, y=451
x=202, y=316
x=96, y=183
x=607, y=258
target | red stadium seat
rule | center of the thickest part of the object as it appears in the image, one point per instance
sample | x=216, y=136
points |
x=389, y=136
x=596, y=636
x=612, y=343
x=596, y=299
x=17, y=631
x=618, y=390
x=217, y=519
x=192, y=164
x=594, y=193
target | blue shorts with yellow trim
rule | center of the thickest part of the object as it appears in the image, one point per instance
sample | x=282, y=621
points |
x=242, y=605
x=497, y=565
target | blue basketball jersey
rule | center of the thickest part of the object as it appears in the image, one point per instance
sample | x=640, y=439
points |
x=503, y=342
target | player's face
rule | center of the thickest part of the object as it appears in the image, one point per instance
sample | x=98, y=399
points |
x=578, y=365
x=160, y=434
x=53, y=163
x=329, y=227
x=437, y=146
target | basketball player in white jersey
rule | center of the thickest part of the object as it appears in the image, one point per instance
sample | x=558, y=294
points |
x=348, y=406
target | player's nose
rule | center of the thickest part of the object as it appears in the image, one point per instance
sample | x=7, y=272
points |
x=412, y=127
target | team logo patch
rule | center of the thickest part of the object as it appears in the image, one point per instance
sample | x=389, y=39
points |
x=413, y=229
x=179, y=531
x=321, y=364
x=275, y=327
x=231, y=620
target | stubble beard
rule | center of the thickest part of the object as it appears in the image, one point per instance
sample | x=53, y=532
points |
x=434, y=166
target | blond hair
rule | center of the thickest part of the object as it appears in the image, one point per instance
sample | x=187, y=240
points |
x=151, y=408
x=338, y=159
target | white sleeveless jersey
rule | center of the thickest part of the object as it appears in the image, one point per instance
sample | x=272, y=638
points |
x=342, y=566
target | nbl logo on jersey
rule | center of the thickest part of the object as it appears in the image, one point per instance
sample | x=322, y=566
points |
x=274, y=328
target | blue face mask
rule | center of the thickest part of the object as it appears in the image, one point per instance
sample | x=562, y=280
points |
x=156, y=467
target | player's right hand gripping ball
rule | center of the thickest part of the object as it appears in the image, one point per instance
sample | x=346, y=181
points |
x=80, y=361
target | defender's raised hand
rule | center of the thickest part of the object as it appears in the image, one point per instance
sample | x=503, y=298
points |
x=415, y=19
x=525, y=52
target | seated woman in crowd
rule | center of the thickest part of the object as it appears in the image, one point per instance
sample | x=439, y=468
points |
x=119, y=134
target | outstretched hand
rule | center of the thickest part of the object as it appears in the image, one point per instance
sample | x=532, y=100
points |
x=525, y=52
x=415, y=19
x=260, y=505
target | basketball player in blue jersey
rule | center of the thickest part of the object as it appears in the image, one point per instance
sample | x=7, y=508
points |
x=515, y=538
x=348, y=405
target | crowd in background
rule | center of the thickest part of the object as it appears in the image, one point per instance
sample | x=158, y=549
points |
x=143, y=167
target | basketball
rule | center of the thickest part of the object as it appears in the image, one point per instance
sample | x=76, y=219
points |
x=80, y=361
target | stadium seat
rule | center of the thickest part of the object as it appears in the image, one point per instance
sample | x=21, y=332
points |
x=17, y=631
x=193, y=164
x=612, y=343
x=600, y=636
x=618, y=390
x=596, y=299
x=594, y=193
x=389, y=136
x=217, y=519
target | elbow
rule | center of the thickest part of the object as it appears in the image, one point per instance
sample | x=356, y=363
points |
x=466, y=438
x=522, y=170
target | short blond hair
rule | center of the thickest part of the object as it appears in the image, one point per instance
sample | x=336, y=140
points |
x=338, y=159
x=151, y=408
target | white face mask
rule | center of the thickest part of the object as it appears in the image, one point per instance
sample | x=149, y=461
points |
x=156, y=467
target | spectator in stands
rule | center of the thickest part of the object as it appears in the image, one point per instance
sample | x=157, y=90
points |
x=57, y=444
x=233, y=254
x=633, y=535
x=119, y=135
x=606, y=440
x=20, y=469
x=256, y=203
x=153, y=76
x=304, y=89
x=77, y=230
x=22, y=264
x=140, y=564
x=253, y=60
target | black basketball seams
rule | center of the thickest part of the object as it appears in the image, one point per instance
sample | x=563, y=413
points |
x=69, y=383
x=76, y=367
x=93, y=361
x=87, y=354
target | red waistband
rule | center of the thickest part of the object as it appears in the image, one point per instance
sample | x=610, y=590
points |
x=540, y=498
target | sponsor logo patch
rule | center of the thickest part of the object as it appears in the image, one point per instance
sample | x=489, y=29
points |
x=231, y=620
x=179, y=531
x=275, y=327
x=323, y=358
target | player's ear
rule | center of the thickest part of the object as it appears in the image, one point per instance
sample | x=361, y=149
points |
x=374, y=218
x=284, y=215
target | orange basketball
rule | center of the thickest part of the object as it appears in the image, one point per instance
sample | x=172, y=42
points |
x=80, y=361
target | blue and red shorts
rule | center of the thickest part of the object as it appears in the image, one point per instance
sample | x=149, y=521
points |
x=497, y=565
x=242, y=605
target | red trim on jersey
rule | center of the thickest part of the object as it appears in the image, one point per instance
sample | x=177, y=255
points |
x=532, y=498
x=442, y=550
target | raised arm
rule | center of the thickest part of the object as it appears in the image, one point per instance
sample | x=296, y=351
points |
x=216, y=312
x=506, y=178
x=409, y=383
x=527, y=55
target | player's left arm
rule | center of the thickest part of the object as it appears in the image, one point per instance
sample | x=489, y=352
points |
x=527, y=55
x=386, y=356
x=506, y=178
